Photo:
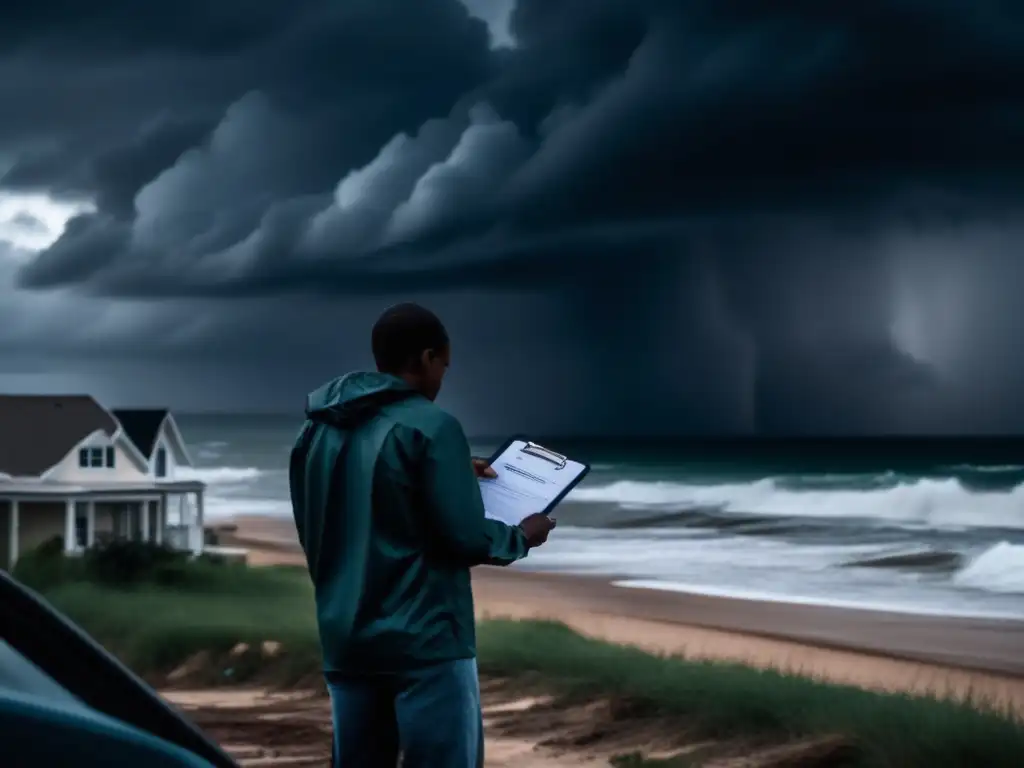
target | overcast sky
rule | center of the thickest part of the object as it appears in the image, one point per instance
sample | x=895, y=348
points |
x=644, y=216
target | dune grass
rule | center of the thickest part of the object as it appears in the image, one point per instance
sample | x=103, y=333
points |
x=722, y=700
x=154, y=628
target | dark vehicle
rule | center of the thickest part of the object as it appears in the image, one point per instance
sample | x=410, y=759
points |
x=66, y=701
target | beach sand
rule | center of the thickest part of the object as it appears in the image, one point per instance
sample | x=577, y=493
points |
x=946, y=656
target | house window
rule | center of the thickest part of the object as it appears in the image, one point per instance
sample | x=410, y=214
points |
x=81, y=527
x=161, y=463
x=96, y=457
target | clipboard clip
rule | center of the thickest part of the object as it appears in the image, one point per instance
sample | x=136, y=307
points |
x=545, y=453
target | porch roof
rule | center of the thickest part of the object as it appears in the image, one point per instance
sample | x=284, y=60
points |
x=43, y=489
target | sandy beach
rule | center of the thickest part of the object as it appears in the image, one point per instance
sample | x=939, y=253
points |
x=945, y=656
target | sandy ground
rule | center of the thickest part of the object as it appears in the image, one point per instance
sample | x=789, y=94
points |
x=882, y=651
x=263, y=728
x=259, y=728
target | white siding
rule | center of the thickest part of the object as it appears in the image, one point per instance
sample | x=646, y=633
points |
x=123, y=471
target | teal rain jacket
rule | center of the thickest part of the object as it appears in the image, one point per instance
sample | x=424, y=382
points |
x=389, y=513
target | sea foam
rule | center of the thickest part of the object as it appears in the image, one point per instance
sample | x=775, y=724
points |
x=999, y=568
x=926, y=502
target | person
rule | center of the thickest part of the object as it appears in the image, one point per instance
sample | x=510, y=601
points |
x=388, y=509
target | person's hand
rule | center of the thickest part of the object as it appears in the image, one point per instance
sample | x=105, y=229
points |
x=536, y=527
x=483, y=468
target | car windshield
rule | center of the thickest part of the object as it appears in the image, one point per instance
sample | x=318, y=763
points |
x=19, y=675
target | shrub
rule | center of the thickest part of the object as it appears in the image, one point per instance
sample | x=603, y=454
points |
x=46, y=566
x=122, y=563
x=207, y=559
x=50, y=549
x=125, y=564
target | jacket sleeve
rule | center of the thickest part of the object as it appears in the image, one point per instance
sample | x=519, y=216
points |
x=455, y=508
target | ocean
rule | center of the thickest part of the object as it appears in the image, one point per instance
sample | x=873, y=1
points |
x=929, y=526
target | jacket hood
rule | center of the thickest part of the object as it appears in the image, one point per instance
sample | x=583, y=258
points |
x=355, y=398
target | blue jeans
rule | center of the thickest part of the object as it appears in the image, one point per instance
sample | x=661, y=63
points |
x=431, y=716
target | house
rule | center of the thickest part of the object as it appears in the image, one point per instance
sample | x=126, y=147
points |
x=155, y=434
x=71, y=468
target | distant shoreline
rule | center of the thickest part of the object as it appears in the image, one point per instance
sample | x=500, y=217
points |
x=695, y=440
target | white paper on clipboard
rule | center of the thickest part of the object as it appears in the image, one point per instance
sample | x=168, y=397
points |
x=530, y=477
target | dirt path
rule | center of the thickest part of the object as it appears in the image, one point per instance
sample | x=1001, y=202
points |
x=263, y=728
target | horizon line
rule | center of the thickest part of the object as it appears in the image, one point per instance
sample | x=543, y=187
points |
x=688, y=437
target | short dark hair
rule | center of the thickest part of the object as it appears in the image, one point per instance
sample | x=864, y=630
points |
x=403, y=333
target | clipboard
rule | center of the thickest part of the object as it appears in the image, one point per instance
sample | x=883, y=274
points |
x=552, y=463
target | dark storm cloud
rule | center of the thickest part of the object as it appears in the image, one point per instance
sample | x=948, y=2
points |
x=93, y=82
x=113, y=175
x=607, y=112
x=118, y=27
x=725, y=196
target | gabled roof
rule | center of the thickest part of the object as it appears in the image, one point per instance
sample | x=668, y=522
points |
x=37, y=431
x=142, y=425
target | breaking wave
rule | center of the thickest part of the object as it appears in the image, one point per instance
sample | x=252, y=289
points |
x=998, y=569
x=219, y=475
x=926, y=502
